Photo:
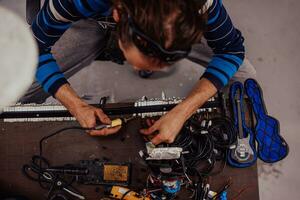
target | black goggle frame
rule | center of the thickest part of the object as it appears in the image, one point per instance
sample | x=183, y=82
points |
x=152, y=48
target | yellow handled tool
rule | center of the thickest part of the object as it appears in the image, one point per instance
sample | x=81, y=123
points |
x=114, y=123
x=123, y=193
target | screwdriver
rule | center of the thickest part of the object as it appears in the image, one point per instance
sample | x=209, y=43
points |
x=114, y=123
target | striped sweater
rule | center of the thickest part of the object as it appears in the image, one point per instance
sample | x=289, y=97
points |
x=56, y=17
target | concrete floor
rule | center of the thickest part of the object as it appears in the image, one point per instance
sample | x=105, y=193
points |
x=272, y=30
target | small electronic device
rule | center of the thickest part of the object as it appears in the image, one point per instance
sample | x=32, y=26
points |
x=105, y=173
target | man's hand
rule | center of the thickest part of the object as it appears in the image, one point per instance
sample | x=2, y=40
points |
x=169, y=125
x=86, y=115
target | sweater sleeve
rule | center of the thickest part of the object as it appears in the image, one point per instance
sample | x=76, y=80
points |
x=55, y=17
x=227, y=44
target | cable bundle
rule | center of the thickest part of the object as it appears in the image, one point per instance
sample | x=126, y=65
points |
x=205, y=143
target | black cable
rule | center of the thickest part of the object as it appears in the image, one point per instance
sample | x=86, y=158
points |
x=199, y=148
x=57, y=132
x=223, y=132
x=46, y=179
x=125, y=194
x=206, y=144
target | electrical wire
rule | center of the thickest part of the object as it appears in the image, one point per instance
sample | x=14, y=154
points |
x=39, y=166
x=58, y=132
x=205, y=144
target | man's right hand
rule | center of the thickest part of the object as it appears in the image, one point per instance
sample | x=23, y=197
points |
x=87, y=115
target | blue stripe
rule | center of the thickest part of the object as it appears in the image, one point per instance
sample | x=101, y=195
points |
x=44, y=71
x=232, y=57
x=41, y=28
x=61, y=27
x=213, y=19
x=82, y=9
x=52, y=81
x=223, y=65
x=218, y=75
x=229, y=60
x=213, y=6
x=95, y=5
x=45, y=57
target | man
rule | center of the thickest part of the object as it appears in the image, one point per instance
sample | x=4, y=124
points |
x=152, y=35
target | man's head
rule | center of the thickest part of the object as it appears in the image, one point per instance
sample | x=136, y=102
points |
x=153, y=34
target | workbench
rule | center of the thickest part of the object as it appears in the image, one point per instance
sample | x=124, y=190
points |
x=20, y=141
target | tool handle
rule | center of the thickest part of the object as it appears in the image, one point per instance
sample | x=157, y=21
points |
x=114, y=123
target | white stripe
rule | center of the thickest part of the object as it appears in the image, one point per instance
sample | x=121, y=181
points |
x=213, y=7
x=66, y=9
x=225, y=46
x=222, y=37
x=48, y=12
x=228, y=43
x=219, y=25
x=38, y=39
x=56, y=14
x=206, y=6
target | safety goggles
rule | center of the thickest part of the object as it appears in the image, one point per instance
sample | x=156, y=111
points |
x=151, y=48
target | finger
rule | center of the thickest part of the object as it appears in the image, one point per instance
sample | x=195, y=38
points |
x=97, y=133
x=149, y=122
x=103, y=117
x=157, y=140
x=113, y=130
x=105, y=132
x=150, y=130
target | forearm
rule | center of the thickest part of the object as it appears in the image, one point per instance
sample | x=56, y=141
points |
x=68, y=97
x=202, y=91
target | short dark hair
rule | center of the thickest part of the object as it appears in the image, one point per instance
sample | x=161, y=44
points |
x=173, y=24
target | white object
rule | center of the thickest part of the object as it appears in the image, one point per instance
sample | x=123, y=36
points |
x=18, y=58
x=165, y=153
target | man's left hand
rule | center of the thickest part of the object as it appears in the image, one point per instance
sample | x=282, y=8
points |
x=167, y=127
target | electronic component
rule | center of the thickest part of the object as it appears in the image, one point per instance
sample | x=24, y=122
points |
x=171, y=186
x=126, y=194
x=141, y=108
x=105, y=173
x=165, y=153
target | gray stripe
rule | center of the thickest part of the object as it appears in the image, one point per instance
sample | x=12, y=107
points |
x=223, y=36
